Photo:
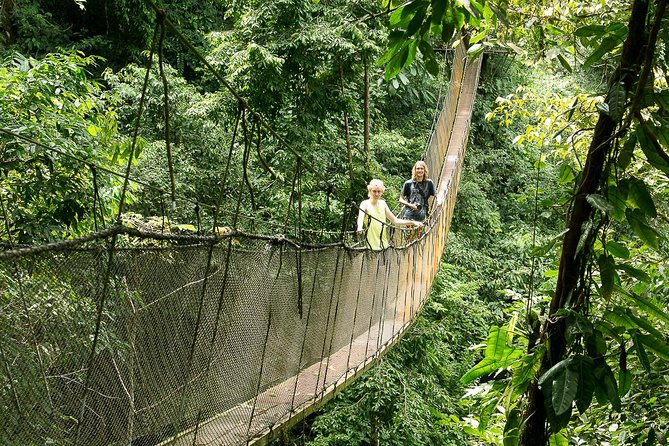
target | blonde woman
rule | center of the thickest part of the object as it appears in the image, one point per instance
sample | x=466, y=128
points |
x=373, y=214
x=416, y=192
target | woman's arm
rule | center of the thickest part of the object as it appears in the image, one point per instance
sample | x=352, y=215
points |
x=361, y=215
x=399, y=221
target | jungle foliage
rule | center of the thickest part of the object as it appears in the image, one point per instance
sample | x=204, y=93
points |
x=558, y=244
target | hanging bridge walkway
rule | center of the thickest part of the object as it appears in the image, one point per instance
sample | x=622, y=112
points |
x=212, y=340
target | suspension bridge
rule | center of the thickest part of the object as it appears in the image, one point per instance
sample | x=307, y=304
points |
x=211, y=340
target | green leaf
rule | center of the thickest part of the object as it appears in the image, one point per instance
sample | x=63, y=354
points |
x=643, y=323
x=432, y=66
x=564, y=63
x=499, y=13
x=585, y=232
x=596, y=344
x=566, y=174
x=590, y=30
x=619, y=318
x=606, y=382
x=525, y=372
x=606, y=46
x=599, y=202
x=616, y=101
x=634, y=272
x=558, y=439
x=618, y=250
x=641, y=352
x=514, y=420
x=584, y=368
x=640, y=196
x=659, y=346
x=649, y=150
x=474, y=50
x=565, y=386
x=447, y=31
x=404, y=14
x=627, y=151
x=641, y=228
x=607, y=274
x=438, y=9
x=557, y=422
x=498, y=355
x=416, y=22
x=661, y=98
x=577, y=324
x=618, y=198
x=550, y=374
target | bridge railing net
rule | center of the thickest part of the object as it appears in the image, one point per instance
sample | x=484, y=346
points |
x=125, y=338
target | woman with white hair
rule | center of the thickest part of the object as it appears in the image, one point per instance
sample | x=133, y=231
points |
x=373, y=214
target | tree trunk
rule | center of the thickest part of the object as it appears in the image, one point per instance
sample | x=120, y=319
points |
x=572, y=261
x=8, y=28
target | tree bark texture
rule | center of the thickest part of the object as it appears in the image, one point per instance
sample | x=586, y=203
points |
x=572, y=261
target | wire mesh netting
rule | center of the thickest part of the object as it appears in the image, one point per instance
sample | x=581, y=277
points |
x=132, y=338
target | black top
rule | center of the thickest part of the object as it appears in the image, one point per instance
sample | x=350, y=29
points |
x=418, y=191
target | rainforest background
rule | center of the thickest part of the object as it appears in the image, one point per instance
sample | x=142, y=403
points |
x=547, y=322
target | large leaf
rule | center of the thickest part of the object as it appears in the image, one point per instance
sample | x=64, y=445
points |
x=641, y=228
x=604, y=47
x=641, y=352
x=514, y=420
x=616, y=101
x=634, y=272
x=438, y=9
x=645, y=324
x=565, y=386
x=577, y=324
x=659, y=346
x=618, y=250
x=590, y=30
x=608, y=275
x=525, y=372
x=649, y=150
x=596, y=344
x=557, y=422
x=584, y=368
x=558, y=439
x=416, y=22
x=599, y=202
x=627, y=151
x=498, y=355
x=639, y=194
x=606, y=382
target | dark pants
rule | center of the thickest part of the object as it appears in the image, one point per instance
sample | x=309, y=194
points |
x=410, y=214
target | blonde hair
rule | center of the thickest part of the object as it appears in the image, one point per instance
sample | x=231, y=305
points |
x=413, y=170
x=375, y=183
